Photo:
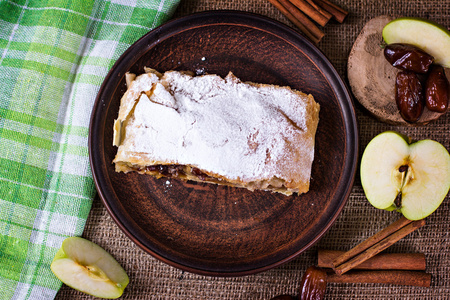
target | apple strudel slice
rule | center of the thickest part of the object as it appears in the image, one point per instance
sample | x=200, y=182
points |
x=216, y=130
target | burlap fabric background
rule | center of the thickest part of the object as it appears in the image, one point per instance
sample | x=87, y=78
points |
x=151, y=279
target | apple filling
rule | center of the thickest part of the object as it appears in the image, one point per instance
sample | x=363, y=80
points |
x=179, y=171
x=195, y=174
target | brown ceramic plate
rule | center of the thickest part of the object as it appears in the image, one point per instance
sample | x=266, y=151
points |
x=218, y=230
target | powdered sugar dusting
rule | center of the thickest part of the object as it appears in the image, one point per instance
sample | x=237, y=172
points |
x=226, y=127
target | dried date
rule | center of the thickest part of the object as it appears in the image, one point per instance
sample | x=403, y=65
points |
x=314, y=284
x=408, y=57
x=409, y=96
x=437, y=90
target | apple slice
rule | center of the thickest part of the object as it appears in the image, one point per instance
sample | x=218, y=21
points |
x=427, y=35
x=87, y=267
x=410, y=178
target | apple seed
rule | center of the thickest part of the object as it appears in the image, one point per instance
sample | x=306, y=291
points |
x=398, y=200
x=403, y=168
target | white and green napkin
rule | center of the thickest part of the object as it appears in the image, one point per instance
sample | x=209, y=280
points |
x=54, y=56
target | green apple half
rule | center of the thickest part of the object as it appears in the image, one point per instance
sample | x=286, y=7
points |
x=427, y=35
x=410, y=178
x=87, y=267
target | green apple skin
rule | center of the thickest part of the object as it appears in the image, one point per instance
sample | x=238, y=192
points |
x=425, y=184
x=427, y=35
x=86, y=267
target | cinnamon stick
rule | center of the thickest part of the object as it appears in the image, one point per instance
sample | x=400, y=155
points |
x=299, y=19
x=381, y=261
x=411, y=278
x=378, y=247
x=310, y=11
x=372, y=240
x=339, y=14
x=325, y=13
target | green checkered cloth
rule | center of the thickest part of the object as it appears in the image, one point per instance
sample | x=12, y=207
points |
x=54, y=55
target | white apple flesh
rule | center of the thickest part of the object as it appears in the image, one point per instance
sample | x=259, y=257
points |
x=87, y=267
x=427, y=35
x=410, y=178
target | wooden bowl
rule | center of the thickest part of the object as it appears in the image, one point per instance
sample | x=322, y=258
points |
x=218, y=230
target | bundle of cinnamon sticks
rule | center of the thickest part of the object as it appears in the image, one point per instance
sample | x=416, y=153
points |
x=365, y=264
x=306, y=13
x=372, y=267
